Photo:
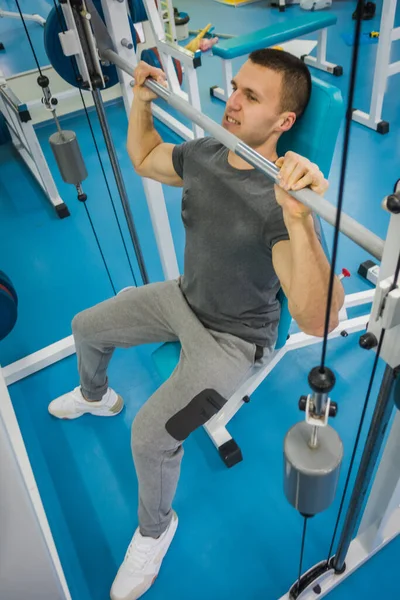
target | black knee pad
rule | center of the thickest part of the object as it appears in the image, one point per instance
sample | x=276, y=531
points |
x=196, y=413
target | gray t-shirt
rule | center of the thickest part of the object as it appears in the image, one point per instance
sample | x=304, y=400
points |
x=232, y=221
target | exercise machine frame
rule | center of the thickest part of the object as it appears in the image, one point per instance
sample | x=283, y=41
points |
x=25, y=141
x=383, y=70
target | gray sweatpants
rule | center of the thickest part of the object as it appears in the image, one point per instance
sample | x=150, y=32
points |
x=211, y=365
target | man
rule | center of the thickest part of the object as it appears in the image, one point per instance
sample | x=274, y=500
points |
x=245, y=238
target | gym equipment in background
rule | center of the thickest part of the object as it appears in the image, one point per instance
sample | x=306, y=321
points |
x=384, y=69
x=270, y=36
x=181, y=25
x=6, y=14
x=367, y=10
x=18, y=122
x=315, y=4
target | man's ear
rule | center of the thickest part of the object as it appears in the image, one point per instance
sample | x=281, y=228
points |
x=286, y=121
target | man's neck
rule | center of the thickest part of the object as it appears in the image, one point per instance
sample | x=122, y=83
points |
x=268, y=150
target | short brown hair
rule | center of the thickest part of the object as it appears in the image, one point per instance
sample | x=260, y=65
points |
x=296, y=78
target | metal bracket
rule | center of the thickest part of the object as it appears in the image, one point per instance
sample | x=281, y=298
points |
x=387, y=302
x=385, y=312
x=312, y=418
x=72, y=44
x=187, y=58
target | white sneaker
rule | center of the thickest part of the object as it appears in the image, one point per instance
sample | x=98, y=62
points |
x=73, y=405
x=142, y=563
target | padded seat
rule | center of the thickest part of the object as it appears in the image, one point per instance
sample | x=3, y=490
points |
x=273, y=34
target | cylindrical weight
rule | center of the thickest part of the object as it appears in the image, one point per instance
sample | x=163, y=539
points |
x=311, y=474
x=182, y=25
x=68, y=156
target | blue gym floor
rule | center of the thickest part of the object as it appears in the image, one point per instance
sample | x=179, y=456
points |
x=238, y=537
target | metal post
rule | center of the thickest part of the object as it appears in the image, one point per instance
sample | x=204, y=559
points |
x=382, y=68
x=372, y=448
x=227, y=77
x=321, y=47
x=194, y=96
x=98, y=102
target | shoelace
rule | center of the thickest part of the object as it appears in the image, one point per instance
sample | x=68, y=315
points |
x=137, y=557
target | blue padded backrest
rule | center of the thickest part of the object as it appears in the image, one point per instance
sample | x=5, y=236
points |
x=313, y=136
x=165, y=359
x=273, y=34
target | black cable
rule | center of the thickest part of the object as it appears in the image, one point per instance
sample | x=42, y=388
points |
x=303, y=541
x=346, y=142
x=29, y=37
x=108, y=186
x=98, y=152
x=98, y=244
x=353, y=456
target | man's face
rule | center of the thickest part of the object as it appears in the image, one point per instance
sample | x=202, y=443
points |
x=253, y=110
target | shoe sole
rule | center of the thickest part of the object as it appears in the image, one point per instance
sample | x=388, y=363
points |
x=113, y=412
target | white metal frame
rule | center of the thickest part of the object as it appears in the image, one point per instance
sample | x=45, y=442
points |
x=165, y=6
x=26, y=143
x=8, y=417
x=169, y=50
x=318, y=62
x=386, y=308
x=383, y=70
x=14, y=15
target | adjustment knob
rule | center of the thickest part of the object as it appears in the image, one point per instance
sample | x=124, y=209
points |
x=393, y=203
x=368, y=341
x=333, y=409
x=303, y=403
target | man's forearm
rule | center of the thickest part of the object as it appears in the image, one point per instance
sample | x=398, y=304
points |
x=142, y=136
x=309, y=280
